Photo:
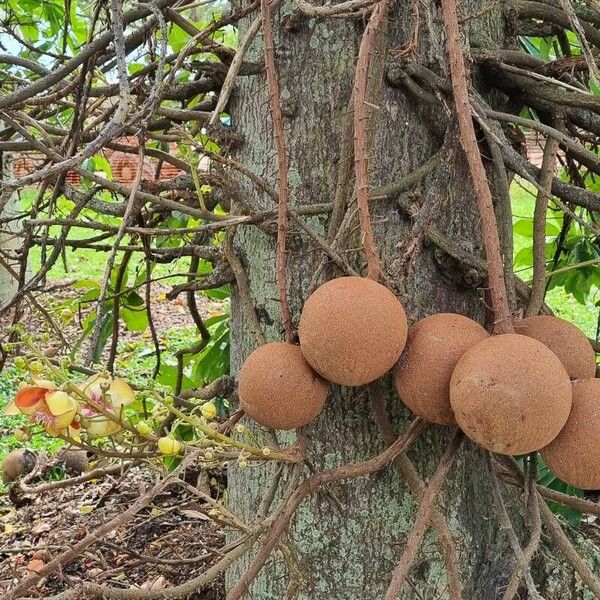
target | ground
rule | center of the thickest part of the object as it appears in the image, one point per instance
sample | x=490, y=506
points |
x=171, y=541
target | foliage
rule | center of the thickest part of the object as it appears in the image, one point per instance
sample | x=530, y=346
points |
x=579, y=309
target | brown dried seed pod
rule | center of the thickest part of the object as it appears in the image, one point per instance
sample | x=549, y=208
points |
x=510, y=394
x=568, y=342
x=278, y=389
x=18, y=463
x=574, y=455
x=422, y=377
x=352, y=330
x=75, y=461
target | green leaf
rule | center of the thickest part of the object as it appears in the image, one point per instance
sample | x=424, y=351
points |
x=524, y=227
x=177, y=38
x=105, y=332
x=30, y=33
x=101, y=163
x=78, y=26
x=168, y=376
x=55, y=16
x=134, y=67
x=85, y=283
x=135, y=319
x=524, y=257
x=114, y=274
x=221, y=293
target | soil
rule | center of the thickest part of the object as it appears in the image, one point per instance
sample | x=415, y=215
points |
x=169, y=542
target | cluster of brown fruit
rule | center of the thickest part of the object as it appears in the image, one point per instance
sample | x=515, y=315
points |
x=22, y=461
x=511, y=393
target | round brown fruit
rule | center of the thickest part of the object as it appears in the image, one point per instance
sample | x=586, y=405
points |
x=510, y=394
x=422, y=377
x=278, y=388
x=566, y=341
x=352, y=330
x=574, y=455
x=18, y=463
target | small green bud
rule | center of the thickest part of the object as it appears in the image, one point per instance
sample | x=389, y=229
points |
x=36, y=367
x=143, y=428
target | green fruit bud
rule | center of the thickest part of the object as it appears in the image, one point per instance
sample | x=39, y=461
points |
x=143, y=428
x=36, y=367
x=209, y=411
x=169, y=446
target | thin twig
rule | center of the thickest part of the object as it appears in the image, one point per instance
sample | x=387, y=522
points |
x=538, y=286
x=533, y=509
x=243, y=286
x=522, y=561
x=566, y=547
x=377, y=21
x=99, y=322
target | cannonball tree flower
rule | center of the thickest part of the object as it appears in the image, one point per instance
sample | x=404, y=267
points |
x=29, y=399
x=45, y=405
x=110, y=394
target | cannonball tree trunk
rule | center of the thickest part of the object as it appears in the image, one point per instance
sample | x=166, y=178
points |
x=346, y=539
x=9, y=242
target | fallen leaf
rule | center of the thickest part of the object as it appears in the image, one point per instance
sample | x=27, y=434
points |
x=157, y=584
x=194, y=514
x=41, y=528
x=93, y=573
x=42, y=555
x=11, y=514
x=35, y=565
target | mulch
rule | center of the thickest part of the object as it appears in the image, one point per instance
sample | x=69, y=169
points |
x=169, y=542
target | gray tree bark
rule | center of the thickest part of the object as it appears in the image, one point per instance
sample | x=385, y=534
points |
x=348, y=538
x=8, y=241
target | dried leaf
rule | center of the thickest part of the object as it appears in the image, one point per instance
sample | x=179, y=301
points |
x=41, y=527
x=194, y=514
x=35, y=565
x=156, y=584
